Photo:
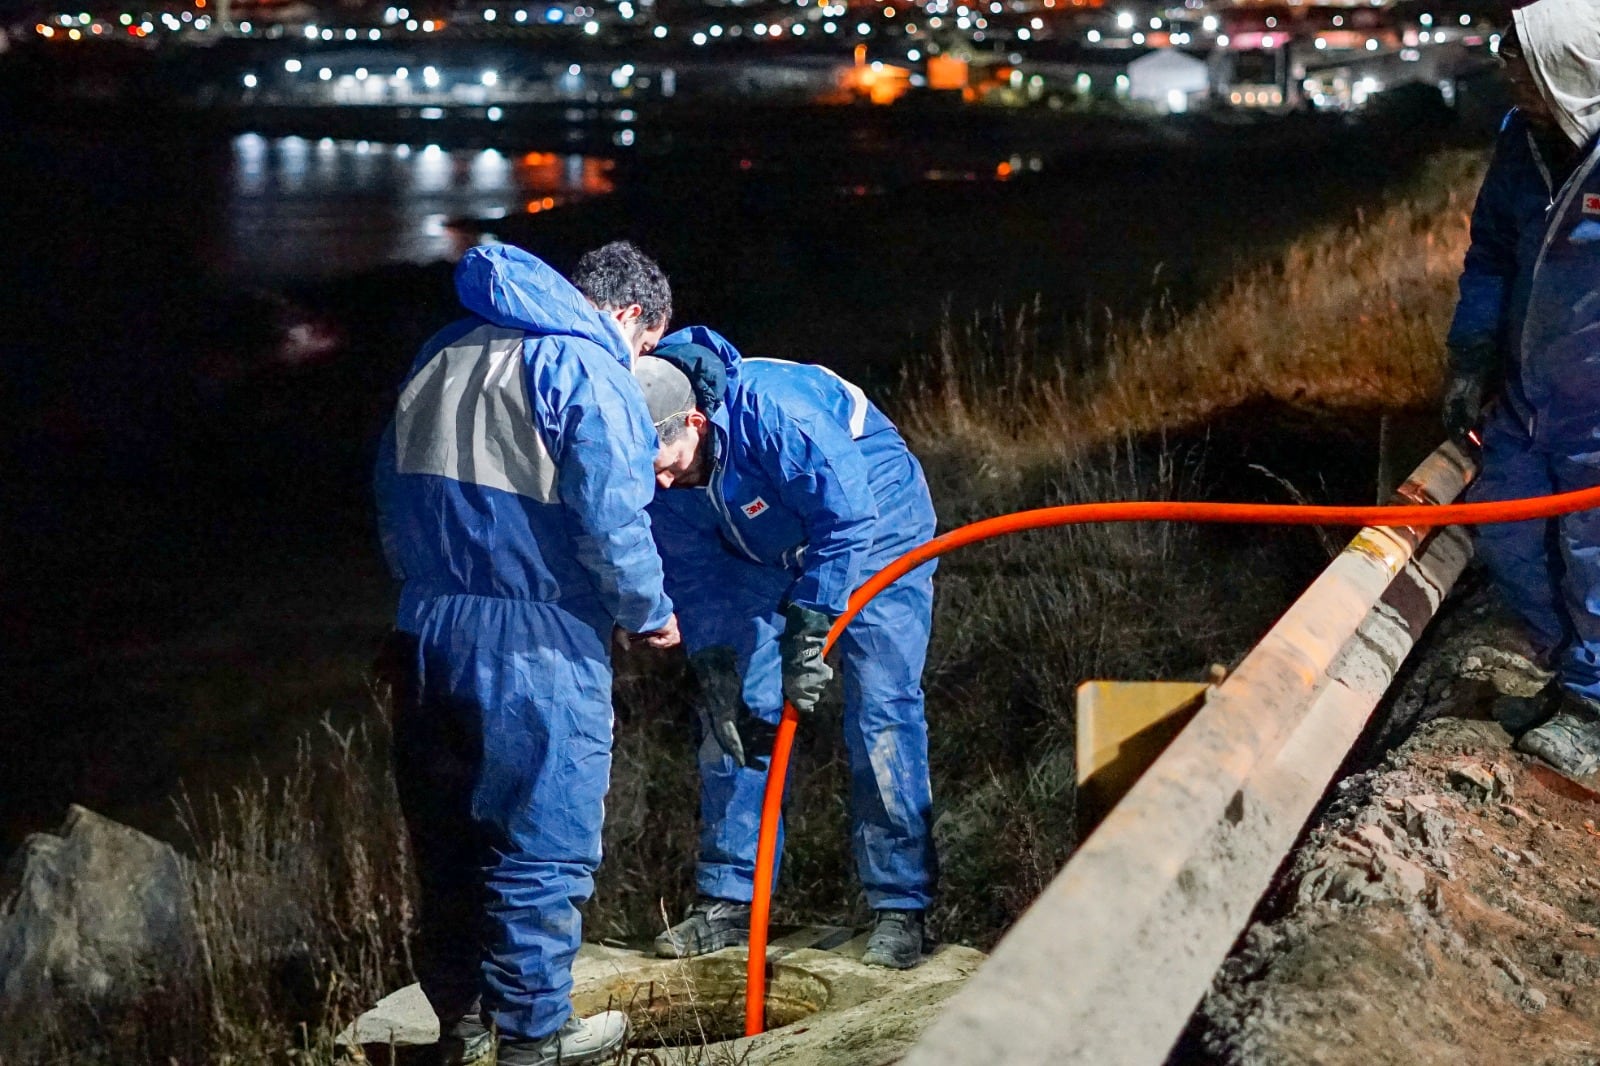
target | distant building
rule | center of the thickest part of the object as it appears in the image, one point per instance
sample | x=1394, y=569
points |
x=1168, y=80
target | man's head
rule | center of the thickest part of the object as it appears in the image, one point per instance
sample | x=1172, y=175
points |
x=1553, y=58
x=681, y=425
x=1519, y=77
x=627, y=285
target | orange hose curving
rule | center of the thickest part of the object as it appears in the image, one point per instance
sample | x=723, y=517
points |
x=1413, y=515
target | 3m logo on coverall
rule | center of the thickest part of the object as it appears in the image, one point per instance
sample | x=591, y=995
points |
x=1591, y=203
x=754, y=507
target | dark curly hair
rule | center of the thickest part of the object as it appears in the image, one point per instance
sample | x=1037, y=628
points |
x=618, y=275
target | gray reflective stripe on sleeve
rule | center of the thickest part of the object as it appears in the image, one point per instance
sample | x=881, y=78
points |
x=465, y=416
x=858, y=399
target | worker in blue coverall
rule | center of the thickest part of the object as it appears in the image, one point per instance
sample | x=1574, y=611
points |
x=512, y=485
x=780, y=489
x=1525, y=364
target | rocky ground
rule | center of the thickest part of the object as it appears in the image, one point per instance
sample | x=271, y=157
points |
x=1444, y=909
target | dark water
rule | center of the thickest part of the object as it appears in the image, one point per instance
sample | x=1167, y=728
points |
x=202, y=332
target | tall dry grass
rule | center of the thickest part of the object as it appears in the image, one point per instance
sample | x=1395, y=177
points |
x=299, y=891
x=1351, y=316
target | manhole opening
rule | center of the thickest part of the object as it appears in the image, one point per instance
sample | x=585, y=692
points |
x=701, y=1001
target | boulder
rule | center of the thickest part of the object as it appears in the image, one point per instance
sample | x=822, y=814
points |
x=93, y=915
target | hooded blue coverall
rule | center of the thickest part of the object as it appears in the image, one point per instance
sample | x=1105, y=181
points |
x=811, y=491
x=512, y=486
x=1531, y=286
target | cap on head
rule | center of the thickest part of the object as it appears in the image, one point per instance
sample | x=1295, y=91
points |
x=707, y=375
x=667, y=391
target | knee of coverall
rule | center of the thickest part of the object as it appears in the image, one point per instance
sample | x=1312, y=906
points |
x=538, y=678
x=1519, y=556
x=435, y=755
x=886, y=733
x=730, y=795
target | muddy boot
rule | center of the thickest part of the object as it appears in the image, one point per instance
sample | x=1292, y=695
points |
x=1518, y=714
x=896, y=940
x=710, y=925
x=1570, y=741
x=578, y=1041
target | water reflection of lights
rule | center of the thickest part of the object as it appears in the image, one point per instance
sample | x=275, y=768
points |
x=489, y=171
x=322, y=204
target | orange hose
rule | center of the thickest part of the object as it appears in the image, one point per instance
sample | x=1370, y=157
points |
x=1414, y=515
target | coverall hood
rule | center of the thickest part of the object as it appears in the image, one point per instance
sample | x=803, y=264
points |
x=514, y=289
x=707, y=337
x=1561, y=40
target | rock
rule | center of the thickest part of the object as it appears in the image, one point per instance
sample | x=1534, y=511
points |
x=1533, y=1000
x=88, y=917
x=1475, y=780
x=1409, y=877
x=1518, y=813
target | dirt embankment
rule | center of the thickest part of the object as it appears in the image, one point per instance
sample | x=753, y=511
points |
x=1445, y=909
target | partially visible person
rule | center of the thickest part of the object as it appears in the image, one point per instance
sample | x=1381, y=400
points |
x=512, y=486
x=781, y=488
x=1524, y=351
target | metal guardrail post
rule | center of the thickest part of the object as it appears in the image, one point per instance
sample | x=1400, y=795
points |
x=1108, y=964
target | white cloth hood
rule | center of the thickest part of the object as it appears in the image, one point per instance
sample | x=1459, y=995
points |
x=1561, y=40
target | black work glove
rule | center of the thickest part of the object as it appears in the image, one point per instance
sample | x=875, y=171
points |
x=805, y=675
x=1472, y=371
x=721, y=697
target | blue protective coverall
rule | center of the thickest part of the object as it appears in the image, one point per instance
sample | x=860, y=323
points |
x=812, y=490
x=512, y=486
x=1531, y=287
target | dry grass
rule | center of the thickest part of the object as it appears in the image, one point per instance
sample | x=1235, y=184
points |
x=300, y=896
x=1352, y=316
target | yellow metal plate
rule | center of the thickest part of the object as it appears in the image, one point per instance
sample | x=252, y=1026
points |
x=1122, y=727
